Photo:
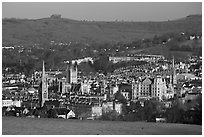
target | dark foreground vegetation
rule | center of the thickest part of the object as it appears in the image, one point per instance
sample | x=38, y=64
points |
x=188, y=113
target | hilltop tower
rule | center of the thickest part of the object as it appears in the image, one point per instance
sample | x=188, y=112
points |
x=55, y=16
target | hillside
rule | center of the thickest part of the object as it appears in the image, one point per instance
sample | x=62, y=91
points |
x=44, y=126
x=164, y=50
x=65, y=30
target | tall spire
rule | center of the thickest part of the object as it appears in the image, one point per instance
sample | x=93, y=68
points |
x=174, y=72
x=43, y=71
x=44, y=86
x=173, y=62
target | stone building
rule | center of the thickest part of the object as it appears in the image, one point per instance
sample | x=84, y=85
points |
x=149, y=87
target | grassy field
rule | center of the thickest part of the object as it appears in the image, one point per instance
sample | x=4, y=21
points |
x=44, y=126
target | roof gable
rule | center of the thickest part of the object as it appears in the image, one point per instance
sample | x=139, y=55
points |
x=146, y=81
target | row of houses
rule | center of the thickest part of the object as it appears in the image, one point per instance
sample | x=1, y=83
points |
x=146, y=87
x=138, y=57
x=77, y=111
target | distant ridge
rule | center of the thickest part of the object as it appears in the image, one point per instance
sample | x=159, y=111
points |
x=65, y=30
x=193, y=16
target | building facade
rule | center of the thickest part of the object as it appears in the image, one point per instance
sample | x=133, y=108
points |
x=85, y=87
x=8, y=103
x=110, y=106
x=149, y=87
x=159, y=88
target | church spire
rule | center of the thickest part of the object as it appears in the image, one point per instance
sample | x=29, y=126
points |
x=173, y=62
x=174, y=72
x=44, y=86
x=43, y=71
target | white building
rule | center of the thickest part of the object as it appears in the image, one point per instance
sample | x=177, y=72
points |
x=159, y=87
x=149, y=87
x=7, y=103
x=142, y=88
x=115, y=89
x=96, y=111
x=109, y=106
x=71, y=114
x=85, y=88
x=126, y=95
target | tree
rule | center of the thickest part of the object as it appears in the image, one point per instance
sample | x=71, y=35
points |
x=149, y=110
x=173, y=45
x=111, y=115
x=102, y=64
x=175, y=115
x=193, y=115
x=118, y=96
x=52, y=113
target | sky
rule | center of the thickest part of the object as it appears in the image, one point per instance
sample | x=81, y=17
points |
x=102, y=11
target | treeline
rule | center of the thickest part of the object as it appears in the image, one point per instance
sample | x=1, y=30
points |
x=102, y=64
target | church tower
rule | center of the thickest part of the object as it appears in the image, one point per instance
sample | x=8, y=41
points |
x=72, y=73
x=68, y=72
x=172, y=78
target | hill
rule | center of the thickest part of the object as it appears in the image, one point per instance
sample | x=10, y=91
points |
x=44, y=126
x=66, y=30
